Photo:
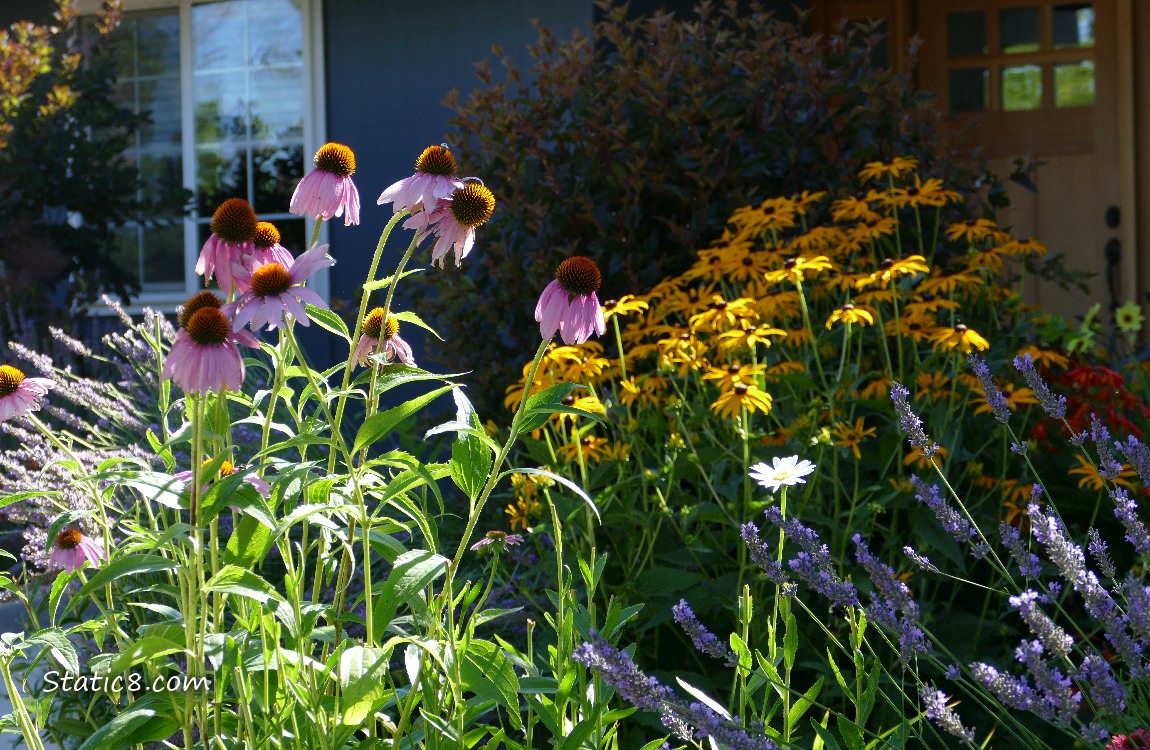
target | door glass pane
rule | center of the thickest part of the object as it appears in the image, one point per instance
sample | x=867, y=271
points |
x=1074, y=84
x=1073, y=25
x=968, y=90
x=1021, y=87
x=1018, y=30
x=966, y=33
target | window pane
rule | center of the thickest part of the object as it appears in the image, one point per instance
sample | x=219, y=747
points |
x=968, y=90
x=1073, y=25
x=275, y=172
x=221, y=173
x=1074, y=84
x=1018, y=30
x=164, y=259
x=160, y=97
x=292, y=234
x=1021, y=87
x=248, y=96
x=966, y=33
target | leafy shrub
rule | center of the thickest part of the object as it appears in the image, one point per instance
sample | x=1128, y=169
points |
x=629, y=146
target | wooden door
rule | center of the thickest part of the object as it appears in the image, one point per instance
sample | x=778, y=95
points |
x=1047, y=81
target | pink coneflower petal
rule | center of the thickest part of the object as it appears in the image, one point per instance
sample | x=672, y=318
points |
x=205, y=355
x=328, y=192
x=71, y=549
x=19, y=395
x=434, y=178
x=570, y=305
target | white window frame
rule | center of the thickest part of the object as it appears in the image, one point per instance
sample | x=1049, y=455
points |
x=314, y=136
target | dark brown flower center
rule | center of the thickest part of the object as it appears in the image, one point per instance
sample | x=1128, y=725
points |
x=568, y=400
x=961, y=328
x=610, y=304
x=270, y=279
x=472, y=204
x=741, y=389
x=886, y=263
x=847, y=307
x=266, y=235
x=208, y=326
x=733, y=369
x=748, y=261
x=579, y=275
x=234, y=221
x=335, y=158
x=69, y=539
x=10, y=380
x=195, y=303
x=719, y=304
x=436, y=160
x=789, y=263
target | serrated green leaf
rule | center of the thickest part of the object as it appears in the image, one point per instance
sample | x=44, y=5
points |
x=488, y=673
x=329, y=321
x=413, y=571
x=362, y=673
x=232, y=579
x=378, y=425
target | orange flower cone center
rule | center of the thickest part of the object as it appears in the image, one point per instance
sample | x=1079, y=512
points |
x=270, y=279
x=579, y=275
x=10, y=380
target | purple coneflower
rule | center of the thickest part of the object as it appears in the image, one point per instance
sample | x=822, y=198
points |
x=233, y=227
x=453, y=220
x=72, y=548
x=205, y=356
x=393, y=346
x=569, y=303
x=434, y=178
x=20, y=395
x=501, y=538
x=227, y=468
x=327, y=191
x=275, y=289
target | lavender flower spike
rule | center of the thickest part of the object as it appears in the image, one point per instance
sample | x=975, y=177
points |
x=909, y=422
x=994, y=398
x=1054, y=406
x=1126, y=510
x=705, y=641
x=934, y=704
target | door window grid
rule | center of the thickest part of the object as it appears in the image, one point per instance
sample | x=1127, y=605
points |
x=1041, y=58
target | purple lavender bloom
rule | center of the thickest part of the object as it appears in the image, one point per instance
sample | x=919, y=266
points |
x=1028, y=563
x=952, y=521
x=922, y=561
x=761, y=556
x=1126, y=510
x=1012, y=692
x=934, y=704
x=1104, y=689
x=1054, y=639
x=890, y=599
x=909, y=421
x=705, y=641
x=1137, y=607
x=1138, y=454
x=1108, y=466
x=994, y=398
x=1058, y=700
x=1098, y=550
x=813, y=565
x=1054, y=406
x=619, y=671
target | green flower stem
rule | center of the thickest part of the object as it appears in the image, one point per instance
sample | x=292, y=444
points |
x=810, y=329
x=481, y=501
x=23, y=718
x=619, y=344
x=371, y=404
x=277, y=386
x=85, y=477
x=371, y=271
x=315, y=233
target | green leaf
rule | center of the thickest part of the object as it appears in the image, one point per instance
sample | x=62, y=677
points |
x=378, y=425
x=804, y=703
x=490, y=675
x=852, y=735
x=740, y=649
x=413, y=572
x=329, y=321
x=249, y=544
x=839, y=676
x=560, y=480
x=362, y=675
x=540, y=406
x=790, y=641
x=409, y=317
x=146, y=648
x=470, y=464
x=59, y=647
x=825, y=734
x=16, y=497
x=137, y=725
x=125, y=566
x=232, y=579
